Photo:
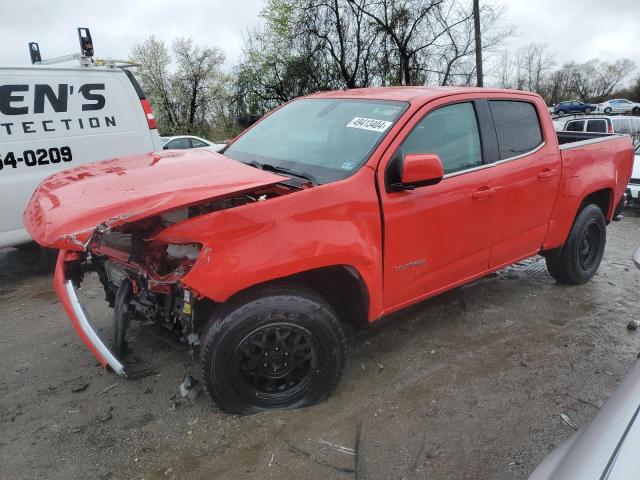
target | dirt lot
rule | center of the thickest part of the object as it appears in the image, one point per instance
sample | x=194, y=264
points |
x=469, y=385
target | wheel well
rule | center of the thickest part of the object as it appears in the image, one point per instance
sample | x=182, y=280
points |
x=342, y=287
x=601, y=198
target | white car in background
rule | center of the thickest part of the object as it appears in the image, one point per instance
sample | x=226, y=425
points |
x=182, y=142
x=619, y=105
x=633, y=190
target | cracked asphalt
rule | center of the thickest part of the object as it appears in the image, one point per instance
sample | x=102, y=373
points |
x=468, y=385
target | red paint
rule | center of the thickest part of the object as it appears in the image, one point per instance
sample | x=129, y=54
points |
x=148, y=113
x=418, y=168
x=59, y=280
x=72, y=203
x=432, y=239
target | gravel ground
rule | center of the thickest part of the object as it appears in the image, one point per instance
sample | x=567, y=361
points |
x=469, y=385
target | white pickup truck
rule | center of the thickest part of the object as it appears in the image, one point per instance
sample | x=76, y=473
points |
x=55, y=117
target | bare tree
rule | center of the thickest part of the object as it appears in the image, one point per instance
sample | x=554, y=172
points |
x=181, y=96
x=456, y=50
x=408, y=26
x=344, y=34
x=595, y=80
x=196, y=81
x=534, y=62
x=154, y=59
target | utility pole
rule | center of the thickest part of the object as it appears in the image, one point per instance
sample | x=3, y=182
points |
x=476, y=25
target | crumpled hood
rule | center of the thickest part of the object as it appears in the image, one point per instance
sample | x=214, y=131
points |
x=68, y=206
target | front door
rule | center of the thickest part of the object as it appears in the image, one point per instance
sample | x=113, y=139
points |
x=437, y=236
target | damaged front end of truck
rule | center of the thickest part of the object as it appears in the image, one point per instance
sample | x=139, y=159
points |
x=141, y=273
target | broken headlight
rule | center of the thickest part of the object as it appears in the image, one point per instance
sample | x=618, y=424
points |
x=179, y=252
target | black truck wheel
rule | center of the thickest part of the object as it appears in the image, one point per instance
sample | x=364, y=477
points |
x=278, y=347
x=578, y=260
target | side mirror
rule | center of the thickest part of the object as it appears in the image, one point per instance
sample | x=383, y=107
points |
x=419, y=170
x=636, y=257
x=165, y=148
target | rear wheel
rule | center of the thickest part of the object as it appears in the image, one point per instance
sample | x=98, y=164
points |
x=279, y=347
x=578, y=260
x=561, y=113
x=587, y=111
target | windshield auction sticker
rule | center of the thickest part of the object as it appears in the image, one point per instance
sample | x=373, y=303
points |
x=369, y=124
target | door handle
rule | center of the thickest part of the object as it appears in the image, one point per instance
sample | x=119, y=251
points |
x=546, y=174
x=483, y=192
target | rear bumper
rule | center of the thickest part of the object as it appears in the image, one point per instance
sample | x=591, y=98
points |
x=81, y=320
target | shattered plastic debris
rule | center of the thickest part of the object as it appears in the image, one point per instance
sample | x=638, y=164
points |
x=80, y=388
x=190, y=388
x=568, y=421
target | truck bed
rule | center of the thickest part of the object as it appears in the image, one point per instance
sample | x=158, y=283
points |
x=565, y=139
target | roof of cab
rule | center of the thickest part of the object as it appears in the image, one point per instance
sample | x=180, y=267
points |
x=409, y=94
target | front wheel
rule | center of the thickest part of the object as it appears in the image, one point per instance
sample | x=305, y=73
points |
x=578, y=260
x=587, y=111
x=608, y=110
x=561, y=113
x=279, y=347
x=636, y=111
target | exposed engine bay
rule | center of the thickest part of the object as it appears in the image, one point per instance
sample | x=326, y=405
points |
x=141, y=276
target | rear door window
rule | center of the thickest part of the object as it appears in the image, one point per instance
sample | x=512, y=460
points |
x=577, y=126
x=517, y=127
x=451, y=132
x=598, y=126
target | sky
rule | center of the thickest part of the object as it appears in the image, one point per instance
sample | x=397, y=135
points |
x=573, y=29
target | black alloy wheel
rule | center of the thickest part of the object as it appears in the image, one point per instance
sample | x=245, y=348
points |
x=590, y=244
x=275, y=363
x=278, y=346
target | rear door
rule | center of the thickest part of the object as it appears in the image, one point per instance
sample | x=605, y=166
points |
x=439, y=235
x=528, y=172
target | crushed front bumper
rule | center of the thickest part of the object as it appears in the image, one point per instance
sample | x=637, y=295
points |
x=81, y=320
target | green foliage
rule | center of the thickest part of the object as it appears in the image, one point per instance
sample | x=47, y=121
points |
x=310, y=45
x=188, y=91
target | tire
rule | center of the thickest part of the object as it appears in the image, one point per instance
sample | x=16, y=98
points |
x=248, y=346
x=607, y=110
x=636, y=111
x=587, y=111
x=561, y=113
x=578, y=260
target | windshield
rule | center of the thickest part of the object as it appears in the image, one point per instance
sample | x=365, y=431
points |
x=323, y=139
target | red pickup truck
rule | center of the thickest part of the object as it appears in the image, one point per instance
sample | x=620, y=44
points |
x=338, y=207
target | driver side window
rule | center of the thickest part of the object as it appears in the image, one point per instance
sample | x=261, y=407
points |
x=451, y=132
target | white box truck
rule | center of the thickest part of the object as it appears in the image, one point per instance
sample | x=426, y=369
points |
x=55, y=117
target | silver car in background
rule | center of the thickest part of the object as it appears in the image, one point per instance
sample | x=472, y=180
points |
x=608, y=448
